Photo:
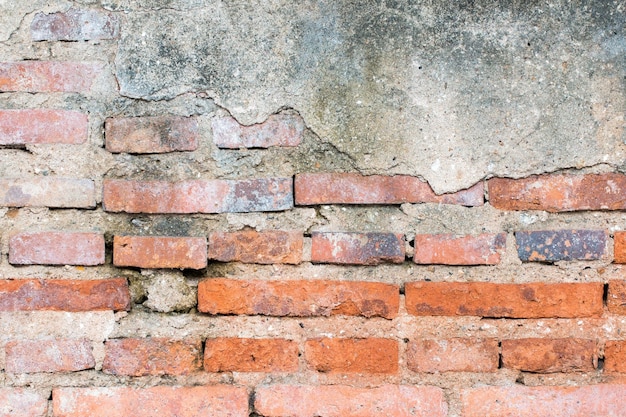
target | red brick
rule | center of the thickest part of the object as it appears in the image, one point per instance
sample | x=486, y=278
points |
x=74, y=25
x=453, y=355
x=533, y=300
x=48, y=76
x=37, y=126
x=549, y=355
x=198, y=196
x=561, y=245
x=28, y=356
x=160, y=252
x=620, y=247
x=277, y=130
x=559, y=192
x=19, y=402
x=250, y=246
x=64, y=295
x=449, y=249
x=56, y=248
x=347, y=188
x=298, y=298
x=151, y=134
x=352, y=355
x=615, y=356
x=616, y=297
x=205, y=401
x=152, y=356
x=516, y=400
x=47, y=192
x=347, y=401
x=357, y=248
x=250, y=355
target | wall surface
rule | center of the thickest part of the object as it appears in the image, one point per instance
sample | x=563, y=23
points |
x=315, y=208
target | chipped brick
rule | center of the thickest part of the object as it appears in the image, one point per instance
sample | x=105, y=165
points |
x=48, y=76
x=352, y=355
x=357, y=248
x=549, y=355
x=560, y=245
x=616, y=298
x=250, y=355
x=158, y=134
x=39, y=126
x=250, y=246
x=277, y=130
x=160, y=252
x=56, y=248
x=29, y=356
x=20, y=402
x=47, y=192
x=453, y=355
x=446, y=249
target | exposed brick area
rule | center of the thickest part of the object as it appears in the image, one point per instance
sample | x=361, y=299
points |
x=277, y=130
x=152, y=356
x=158, y=134
x=74, y=25
x=56, y=248
x=344, y=188
x=453, y=355
x=352, y=355
x=48, y=76
x=615, y=356
x=298, y=298
x=620, y=247
x=39, y=126
x=160, y=252
x=250, y=355
x=357, y=248
x=250, y=246
x=28, y=356
x=21, y=402
x=484, y=249
x=47, y=192
x=549, y=355
x=64, y=295
x=616, y=297
x=561, y=245
x=535, y=300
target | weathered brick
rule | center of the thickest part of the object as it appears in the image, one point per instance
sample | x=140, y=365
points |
x=68, y=355
x=549, y=355
x=151, y=134
x=250, y=246
x=277, y=130
x=559, y=192
x=484, y=299
x=20, y=402
x=160, y=252
x=357, y=248
x=250, y=355
x=615, y=356
x=560, y=245
x=47, y=192
x=21, y=127
x=198, y=196
x=347, y=401
x=604, y=400
x=152, y=356
x=616, y=297
x=64, y=295
x=446, y=249
x=56, y=248
x=205, y=401
x=74, y=25
x=48, y=76
x=348, y=188
x=299, y=298
x=352, y=355
x=620, y=247
x=453, y=355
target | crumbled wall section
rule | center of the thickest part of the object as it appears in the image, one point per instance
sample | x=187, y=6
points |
x=264, y=209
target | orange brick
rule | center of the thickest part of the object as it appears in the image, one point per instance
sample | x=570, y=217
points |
x=56, y=248
x=347, y=401
x=277, y=130
x=40, y=126
x=20, y=402
x=299, y=298
x=453, y=355
x=352, y=355
x=615, y=356
x=74, y=25
x=559, y=192
x=152, y=356
x=28, y=356
x=549, y=355
x=151, y=134
x=209, y=401
x=250, y=246
x=616, y=298
x=620, y=247
x=517, y=400
x=198, y=196
x=64, y=295
x=47, y=192
x=250, y=355
x=357, y=248
x=347, y=188
x=534, y=300
x=48, y=76
x=447, y=249
x=160, y=252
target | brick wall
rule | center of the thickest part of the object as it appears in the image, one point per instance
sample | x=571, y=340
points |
x=159, y=256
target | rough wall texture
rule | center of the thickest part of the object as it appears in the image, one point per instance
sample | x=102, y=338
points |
x=318, y=208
